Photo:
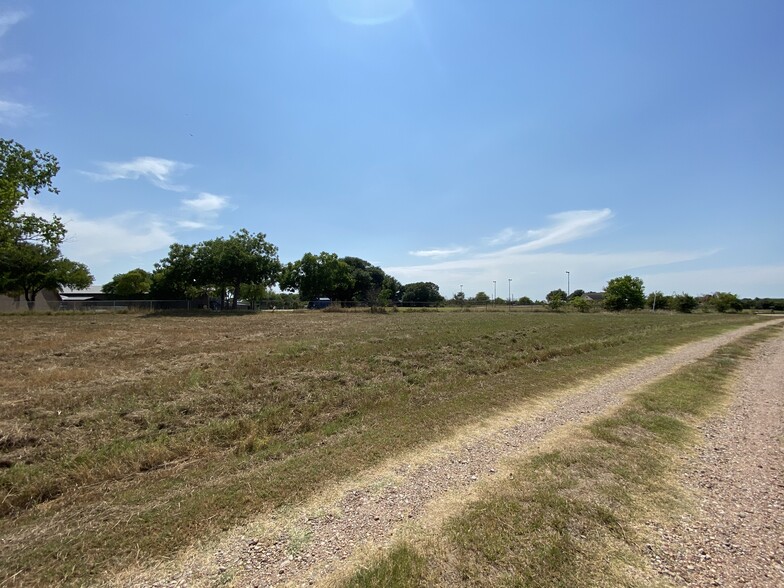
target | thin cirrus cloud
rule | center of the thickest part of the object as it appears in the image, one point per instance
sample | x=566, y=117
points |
x=564, y=227
x=9, y=18
x=11, y=113
x=438, y=253
x=17, y=63
x=160, y=172
x=533, y=263
x=96, y=241
x=206, y=203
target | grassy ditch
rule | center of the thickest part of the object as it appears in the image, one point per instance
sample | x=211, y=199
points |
x=125, y=438
x=570, y=514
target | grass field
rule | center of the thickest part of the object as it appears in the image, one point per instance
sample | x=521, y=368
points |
x=124, y=438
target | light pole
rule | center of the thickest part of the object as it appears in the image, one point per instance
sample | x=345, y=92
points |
x=567, y=283
x=510, y=291
x=493, y=292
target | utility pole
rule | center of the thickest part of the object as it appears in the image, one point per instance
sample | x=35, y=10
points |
x=567, y=283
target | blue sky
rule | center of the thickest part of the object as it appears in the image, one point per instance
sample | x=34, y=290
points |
x=458, y=142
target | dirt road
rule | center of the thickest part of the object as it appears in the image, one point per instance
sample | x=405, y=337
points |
x=735, y=535
x=312, y=544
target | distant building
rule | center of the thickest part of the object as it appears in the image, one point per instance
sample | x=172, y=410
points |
x=593, y=296
x=45, y=301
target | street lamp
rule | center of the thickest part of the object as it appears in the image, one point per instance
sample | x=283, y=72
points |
x=567, y=284
x=493, y=292
x=510, y=291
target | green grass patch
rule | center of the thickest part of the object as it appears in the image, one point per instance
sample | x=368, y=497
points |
x=570, y=515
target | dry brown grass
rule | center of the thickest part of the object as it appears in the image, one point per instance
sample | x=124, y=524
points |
x=126, y=437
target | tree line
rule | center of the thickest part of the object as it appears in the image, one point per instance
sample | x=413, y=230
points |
x=246, y=267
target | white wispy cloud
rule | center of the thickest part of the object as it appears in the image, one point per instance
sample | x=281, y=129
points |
x=206, y=203
x=12, y=113
x=565, y=227
x=504, y=236
x=17, y=63
x=523, y=257
x=157, y=170
x=536, y=273
x=438, y=253
x=110, y=244
x=9, y=18
x=191, y=225
x=100, y=239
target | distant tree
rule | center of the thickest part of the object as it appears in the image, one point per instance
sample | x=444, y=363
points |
x=422, y=294
x=764, y=303
x=175, y=275
x=556, y=299
x=366, y=281
x=661, y=300
x=130, y=284
x=28, y=268
x=391, y=290
x=220, y=265
x=683, y=302
x=576, y=294
x=481, y=298
x=726, y=302
x=318, y=275
x=458, y=299
x=625, y=293
x=581, y=304
x=525, y=300
x=255, y=293
x=242, y=258
x=23, y=173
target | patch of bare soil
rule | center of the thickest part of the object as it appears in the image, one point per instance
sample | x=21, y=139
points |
x=735, y=535
x=324, y=539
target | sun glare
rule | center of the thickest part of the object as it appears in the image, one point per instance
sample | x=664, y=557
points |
x=370, y=12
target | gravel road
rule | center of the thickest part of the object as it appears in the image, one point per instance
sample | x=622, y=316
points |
x=312, y=544
x=735, y=535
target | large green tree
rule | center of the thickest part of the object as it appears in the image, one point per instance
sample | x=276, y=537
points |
x=243, y=258
x=28, y=268
x=319, y=275
x=30, y=259
x=367, y=280
x=130, y=284
x=220, y=265
x=174, y=275
x=421, y=294
x=624, y=293
x=24, y=173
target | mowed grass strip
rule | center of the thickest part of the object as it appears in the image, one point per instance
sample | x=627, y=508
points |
x=571, y=515
x=126, y=438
